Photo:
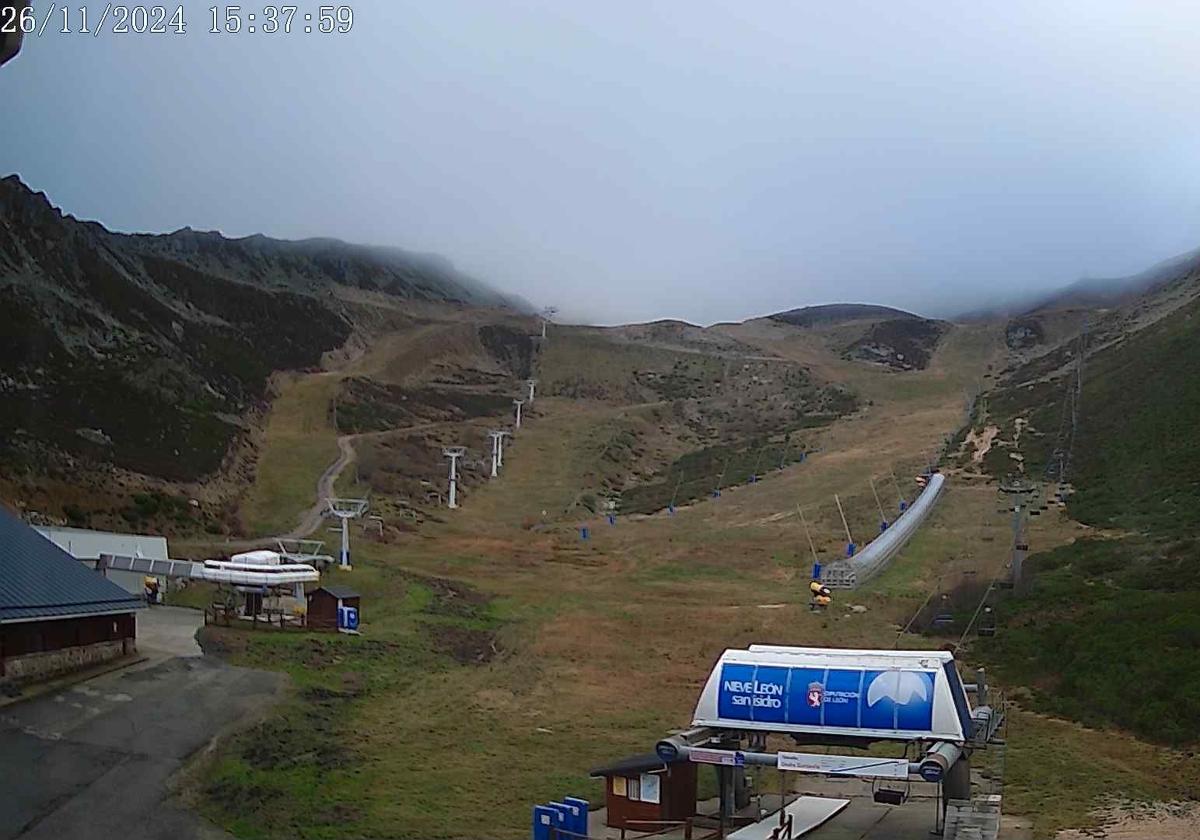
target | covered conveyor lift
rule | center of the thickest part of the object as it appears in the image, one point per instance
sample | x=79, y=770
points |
x=253, y=573
x=254, y=568
x=833, y=697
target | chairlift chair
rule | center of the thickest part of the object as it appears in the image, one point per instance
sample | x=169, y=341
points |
x=890, y=796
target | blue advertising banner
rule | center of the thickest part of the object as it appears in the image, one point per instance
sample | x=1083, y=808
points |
x=854, y=698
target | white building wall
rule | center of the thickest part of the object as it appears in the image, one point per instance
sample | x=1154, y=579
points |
x=83, y=544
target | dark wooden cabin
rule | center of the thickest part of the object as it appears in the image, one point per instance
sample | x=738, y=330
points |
x=641, y=791
x=323, y=604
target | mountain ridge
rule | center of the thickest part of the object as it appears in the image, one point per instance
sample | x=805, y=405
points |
x=147, y=351
x=838, y=313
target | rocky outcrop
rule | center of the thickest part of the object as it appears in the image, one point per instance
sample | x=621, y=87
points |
x=902, y=344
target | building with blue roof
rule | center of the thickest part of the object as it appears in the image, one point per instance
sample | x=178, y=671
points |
x=56, y=615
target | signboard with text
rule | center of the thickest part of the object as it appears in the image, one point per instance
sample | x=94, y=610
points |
x=899, y=700
x=861, y=766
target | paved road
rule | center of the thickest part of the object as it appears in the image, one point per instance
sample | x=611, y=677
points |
x=96, y=760
x=164, y=632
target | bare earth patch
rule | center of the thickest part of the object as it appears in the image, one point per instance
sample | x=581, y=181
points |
x=1143, y=821
x=982, y=442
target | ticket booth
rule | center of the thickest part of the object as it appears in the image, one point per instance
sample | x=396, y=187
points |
x=641, y=791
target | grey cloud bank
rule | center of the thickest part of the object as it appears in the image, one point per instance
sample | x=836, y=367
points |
x=628, y=161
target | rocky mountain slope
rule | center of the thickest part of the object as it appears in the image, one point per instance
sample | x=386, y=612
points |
x=1096, y=292
x=145, y=352
x=1112, y=408
x=869, y=333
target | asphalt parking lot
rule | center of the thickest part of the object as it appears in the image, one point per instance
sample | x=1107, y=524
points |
x=99, y=759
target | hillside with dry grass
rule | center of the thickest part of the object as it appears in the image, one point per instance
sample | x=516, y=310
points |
x=135, y=370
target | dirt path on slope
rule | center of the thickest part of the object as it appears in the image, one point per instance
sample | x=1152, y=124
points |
x=313, y=516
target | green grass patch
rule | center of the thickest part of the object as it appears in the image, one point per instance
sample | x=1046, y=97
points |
x=1109, y=635
x=299, y=444
x=695, y=475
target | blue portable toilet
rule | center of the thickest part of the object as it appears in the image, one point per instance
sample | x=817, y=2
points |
x=583, y=533
x=850, y=549
x=566, y=818
x=559, y=819
x=816, y=575
x=544, y=818
x=581, y=810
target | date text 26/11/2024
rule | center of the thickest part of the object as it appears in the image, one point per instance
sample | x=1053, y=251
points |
x=120, y=18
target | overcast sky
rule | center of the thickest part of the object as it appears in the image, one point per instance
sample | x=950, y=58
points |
x=635, y=160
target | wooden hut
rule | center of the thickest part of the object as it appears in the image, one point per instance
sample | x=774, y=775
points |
x=641, y=793
x=325, y=602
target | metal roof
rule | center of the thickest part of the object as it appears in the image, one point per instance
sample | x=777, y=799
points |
x=40, y=580
x=83, y=544
x=338, y=591
x=640, y=763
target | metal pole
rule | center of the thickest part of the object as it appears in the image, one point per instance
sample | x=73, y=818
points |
x=878, y=504
x=845, y=525
x=899, y=492
x=675, y=494
x=453, y=482
x=757, y=461
x=721, y=477
x=807, y=533
x=345, y=541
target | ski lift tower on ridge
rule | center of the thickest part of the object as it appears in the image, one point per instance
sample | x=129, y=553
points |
x=454, y=453
x=547, y=316
x=345, y=510
x=497, y=437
